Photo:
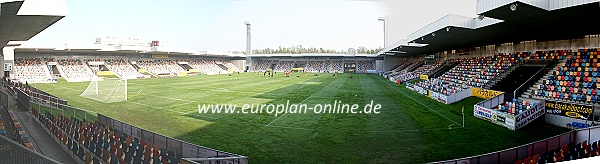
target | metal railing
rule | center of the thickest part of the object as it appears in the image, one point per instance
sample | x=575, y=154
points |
x=529, y=81
x=13, y=152
x=510, y=155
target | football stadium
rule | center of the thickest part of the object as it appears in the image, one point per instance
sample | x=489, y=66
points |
x=518, y=83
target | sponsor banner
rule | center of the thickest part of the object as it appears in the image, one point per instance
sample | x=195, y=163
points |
x=160, y=56
x=485, y=93
x=96, y=63
x=482, y=112
x=410, y=86
x=510, y=121
x=420, y=90
x=499, y=118
x=530, y=115
x=439, y=97
x=569, y=110
x=424, y=77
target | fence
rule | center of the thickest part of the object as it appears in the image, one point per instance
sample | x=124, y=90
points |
x=187, y=150
x=509, y=156
x=24, y=92
x=64, y=110
x=13, y=152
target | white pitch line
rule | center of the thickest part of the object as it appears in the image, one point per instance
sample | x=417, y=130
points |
x=175, y=105
x=65, y=87
x=314, y=136
x=286, y=112
x=168, y=98
x=144, y=105
x=285, y=127
x=396, y=88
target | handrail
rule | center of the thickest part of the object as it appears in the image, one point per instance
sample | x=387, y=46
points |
x=534, y=75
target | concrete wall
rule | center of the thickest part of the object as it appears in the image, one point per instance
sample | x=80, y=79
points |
x=239, y=63
x=561, y=120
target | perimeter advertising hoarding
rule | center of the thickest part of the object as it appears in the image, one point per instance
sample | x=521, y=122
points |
x=529, y=115
x=419, y=90
x=569, y=110
x=439, y=97
x=485, y=93
x=494, y=116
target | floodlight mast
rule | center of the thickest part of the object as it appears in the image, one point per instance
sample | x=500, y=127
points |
x=384, y=19
x=248, y=46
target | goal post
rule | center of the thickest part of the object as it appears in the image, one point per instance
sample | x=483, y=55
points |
x=106, y=90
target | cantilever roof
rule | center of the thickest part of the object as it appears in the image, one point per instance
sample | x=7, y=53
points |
x=539, y=20
x=21, y=20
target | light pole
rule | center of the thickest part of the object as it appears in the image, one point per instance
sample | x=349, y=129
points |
x=384, y=19
x=248, y=46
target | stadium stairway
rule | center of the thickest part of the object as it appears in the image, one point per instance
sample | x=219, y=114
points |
x=493, y=84
x=392, y=68
x=137, y=67
x=412, y=68
x=440, y=71
x=527, y=94
x=221, y=66
x=41, y=141
x=185, y=66
x=524, y=68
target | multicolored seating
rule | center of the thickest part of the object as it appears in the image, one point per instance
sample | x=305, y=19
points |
x=574, y=80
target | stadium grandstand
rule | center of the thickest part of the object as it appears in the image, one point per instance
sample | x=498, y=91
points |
x=521, y=88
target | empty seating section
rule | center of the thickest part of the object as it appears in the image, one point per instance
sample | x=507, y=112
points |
x=315, y=66
x=364, y=65
x=93, y=142
x=122, y=68
x=204, y=66
x=284, y=66
x=472, y=72
x=401, y=73
x=17, y=129
x=230, y=65
x=334, y=66
x=30, y=70
x=424, y=69
x=566, y=152
x=75, y=68
x=261, y=66
x=574, y=80
x=161, y=67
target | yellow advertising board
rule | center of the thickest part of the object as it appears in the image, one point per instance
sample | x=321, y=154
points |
x=424, y=77
x=194, y=70
x=182, y=74
x=105, y=73
x=485, y=93
x=142, y=70
x=161, y=56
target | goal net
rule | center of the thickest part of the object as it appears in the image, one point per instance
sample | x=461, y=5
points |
x=106, y=90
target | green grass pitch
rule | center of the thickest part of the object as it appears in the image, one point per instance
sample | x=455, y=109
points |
x=410, y=128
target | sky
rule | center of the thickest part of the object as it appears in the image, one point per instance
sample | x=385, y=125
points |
x=218, y=25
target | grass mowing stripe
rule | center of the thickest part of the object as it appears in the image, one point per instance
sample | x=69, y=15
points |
x=418, y=101
x=406, y=132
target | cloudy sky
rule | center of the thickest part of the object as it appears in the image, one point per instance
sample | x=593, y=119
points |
x=218, y=25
